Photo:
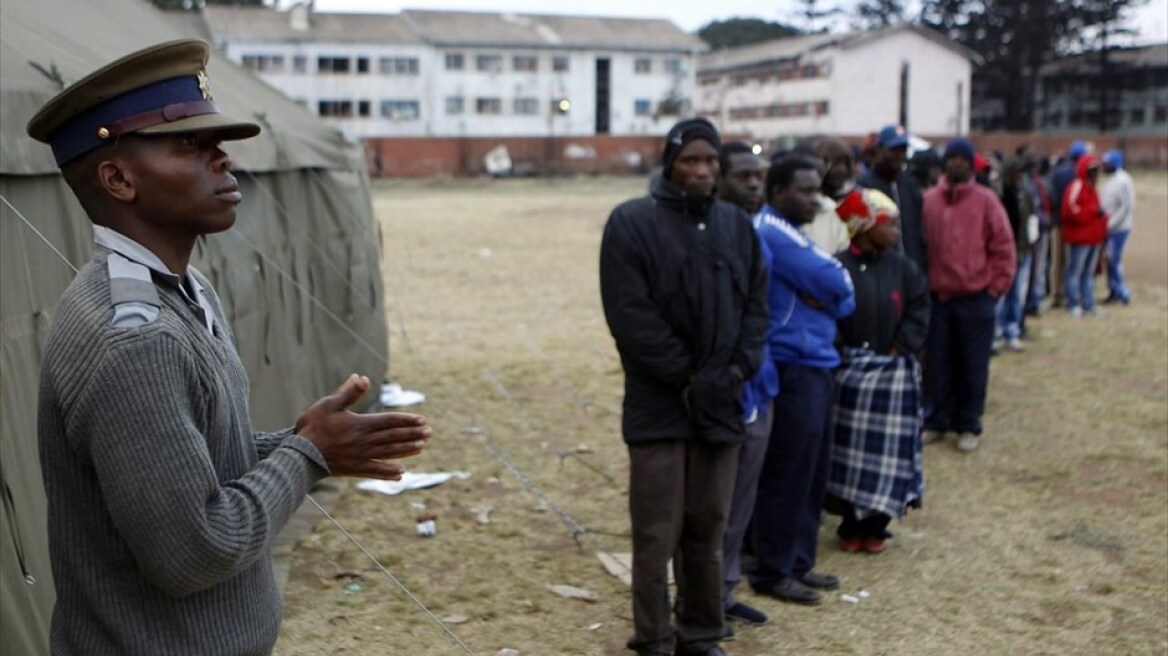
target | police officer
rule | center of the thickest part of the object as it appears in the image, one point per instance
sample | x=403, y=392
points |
x=162, y=502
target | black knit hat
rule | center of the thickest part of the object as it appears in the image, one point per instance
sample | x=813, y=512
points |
x=684, y=132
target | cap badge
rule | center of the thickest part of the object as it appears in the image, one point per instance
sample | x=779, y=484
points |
x=204, y=85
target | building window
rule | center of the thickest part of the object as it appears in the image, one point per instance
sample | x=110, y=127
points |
x=401, y=110
x=489, y=63
x=363, y=65
x=642, y=65
x=525, y=63
x=642, y=107
x=299, y=64
x=1161, y=114
x=335, y=108
x=673, y=66
x=455, y=105
x=822, y=108
x=398, y=66
x=363, y=108
x=264, y=63
x=455, y=61
x=327, y=65
x=488, y=106
x=1136, y=116
x=526, y=106
x=560, y=64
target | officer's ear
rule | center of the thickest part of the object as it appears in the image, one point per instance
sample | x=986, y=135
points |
x=116, y=179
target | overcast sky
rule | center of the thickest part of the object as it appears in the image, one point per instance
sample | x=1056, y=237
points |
x=1151, y=19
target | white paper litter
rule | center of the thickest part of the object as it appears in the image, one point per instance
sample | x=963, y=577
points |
x=409, y=481
x=572, y=592
x=847, y=598
x=393, y=396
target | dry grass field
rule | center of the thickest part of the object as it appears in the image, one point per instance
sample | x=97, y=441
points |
x=1053, y=539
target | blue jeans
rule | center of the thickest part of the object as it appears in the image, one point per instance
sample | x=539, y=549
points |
x=1039, y=265
x=1080, y=284
x=1013, y=304
x=1115, y=281
x=957, y=365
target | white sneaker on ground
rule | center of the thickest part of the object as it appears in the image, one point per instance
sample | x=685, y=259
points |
x=1075, y=312
x=1015, y=344
x=968, y=442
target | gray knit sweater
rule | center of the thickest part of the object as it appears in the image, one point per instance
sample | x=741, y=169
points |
x=163, y=504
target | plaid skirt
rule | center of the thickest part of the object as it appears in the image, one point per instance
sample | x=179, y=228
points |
x=876, y=426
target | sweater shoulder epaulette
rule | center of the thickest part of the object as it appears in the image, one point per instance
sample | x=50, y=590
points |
x=133, y=295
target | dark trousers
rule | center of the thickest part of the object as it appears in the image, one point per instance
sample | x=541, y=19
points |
x=961, y=335
x=794, y=477
x=679, y=497
x=872, y=526
x=750, y=461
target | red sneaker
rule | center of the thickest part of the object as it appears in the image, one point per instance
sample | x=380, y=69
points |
x=851, y=545
x=874, y=545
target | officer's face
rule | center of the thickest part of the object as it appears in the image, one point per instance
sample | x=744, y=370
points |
x=696, y=168
x=742, y=184
x=182, y=183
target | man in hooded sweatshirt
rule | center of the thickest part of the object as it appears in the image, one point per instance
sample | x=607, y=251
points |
x=1084, y=231
x=683, y=285
x=972, y=261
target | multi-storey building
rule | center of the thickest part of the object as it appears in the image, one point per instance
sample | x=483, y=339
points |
x=467, y=74
x=1124, y=90
x=838, y=84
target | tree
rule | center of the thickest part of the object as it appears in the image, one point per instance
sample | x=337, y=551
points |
x=812, y=14
x=736, y=32
x=880, y=13
x=1015, y=38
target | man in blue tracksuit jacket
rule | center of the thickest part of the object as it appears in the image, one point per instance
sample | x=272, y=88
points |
x=809, y=291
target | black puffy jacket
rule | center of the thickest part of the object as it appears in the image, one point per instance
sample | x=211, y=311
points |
x=684, y=291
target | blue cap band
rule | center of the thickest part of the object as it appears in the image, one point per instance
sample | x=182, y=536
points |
x=80, y=134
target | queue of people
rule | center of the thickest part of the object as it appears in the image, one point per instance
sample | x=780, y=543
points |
x=794, y=331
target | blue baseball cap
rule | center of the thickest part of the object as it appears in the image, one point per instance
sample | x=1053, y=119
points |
x=1113, y=158
x=892, y=136
x=1077, y=149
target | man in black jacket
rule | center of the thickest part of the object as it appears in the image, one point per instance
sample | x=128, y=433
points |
x=684, y=290
x=886, y=175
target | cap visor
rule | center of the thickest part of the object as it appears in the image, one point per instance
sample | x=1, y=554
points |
x=227, y=128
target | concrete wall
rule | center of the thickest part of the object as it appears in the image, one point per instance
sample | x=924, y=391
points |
x=424, y=157
x=866, y=86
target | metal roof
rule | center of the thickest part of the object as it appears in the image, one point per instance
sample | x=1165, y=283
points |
x=799, y=46
x=451, y=28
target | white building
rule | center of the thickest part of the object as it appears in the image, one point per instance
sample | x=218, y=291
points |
x=451, y=74
x=838, y=84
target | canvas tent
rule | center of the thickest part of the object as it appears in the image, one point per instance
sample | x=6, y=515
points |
x=299, y=275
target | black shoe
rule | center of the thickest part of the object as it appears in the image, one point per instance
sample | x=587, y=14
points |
x=820, y=581
x=728, y=633
x=748, y=614
x=791, y=590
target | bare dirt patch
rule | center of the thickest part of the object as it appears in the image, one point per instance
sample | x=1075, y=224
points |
x=1053, y=539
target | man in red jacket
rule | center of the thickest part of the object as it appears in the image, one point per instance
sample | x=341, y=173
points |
x=971, y=264
x=1084, y=231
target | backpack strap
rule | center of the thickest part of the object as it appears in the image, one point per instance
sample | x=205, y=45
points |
x=133, y=295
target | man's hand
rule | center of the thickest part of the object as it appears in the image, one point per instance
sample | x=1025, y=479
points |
x=355, y=444
x=812, y=301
